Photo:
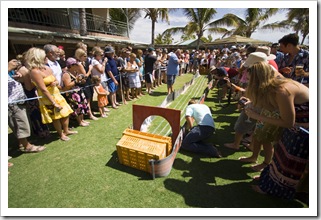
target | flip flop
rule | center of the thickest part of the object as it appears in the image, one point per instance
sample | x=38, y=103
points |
x=34, y=149
x=115, y=107
x=10, y=164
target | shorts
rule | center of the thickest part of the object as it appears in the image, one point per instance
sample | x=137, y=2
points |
x=112, y=87
x=148, y=77
x=243, y=127
x=171, y=80
x=221, y=82
x=18, y=120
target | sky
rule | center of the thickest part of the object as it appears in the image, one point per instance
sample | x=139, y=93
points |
x=177, y=19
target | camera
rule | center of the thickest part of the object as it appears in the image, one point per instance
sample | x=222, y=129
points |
x=242, y=102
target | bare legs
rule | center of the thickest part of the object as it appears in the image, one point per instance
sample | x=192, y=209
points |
x=61, y=126
x=91, y=115
x=256, y=146
x=237, y=141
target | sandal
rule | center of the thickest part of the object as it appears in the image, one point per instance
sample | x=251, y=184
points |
x=10, y=164
x=34, y=149
x=115, y=107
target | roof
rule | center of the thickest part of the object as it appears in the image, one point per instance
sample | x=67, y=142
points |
x=187, y=42
x=51, y=34
x=235, y=39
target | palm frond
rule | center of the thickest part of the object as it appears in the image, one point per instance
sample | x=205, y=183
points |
x=174, y=30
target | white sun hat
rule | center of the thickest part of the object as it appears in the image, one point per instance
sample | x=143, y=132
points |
x=255, y=57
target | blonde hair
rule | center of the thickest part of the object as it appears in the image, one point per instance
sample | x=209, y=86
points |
x=95, y=79
x=35, y=58
x=96, y=51
x=133, y=55
x=81, y=45
x=263, y=84
x=79, y=53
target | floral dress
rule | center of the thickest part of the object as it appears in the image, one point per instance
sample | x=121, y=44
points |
x=77, y=100
x=281, y=178
x=265, y=132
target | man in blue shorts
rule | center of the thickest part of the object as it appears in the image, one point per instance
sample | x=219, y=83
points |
x=173, y=69
x=112, y=74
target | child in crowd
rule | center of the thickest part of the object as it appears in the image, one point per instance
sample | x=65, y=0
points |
x=101, y=95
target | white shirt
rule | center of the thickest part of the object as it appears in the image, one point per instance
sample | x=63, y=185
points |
x=201, y=113
x=56, y=69
x=95, y=72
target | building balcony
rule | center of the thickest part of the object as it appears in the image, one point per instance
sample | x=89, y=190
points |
x=64, y=19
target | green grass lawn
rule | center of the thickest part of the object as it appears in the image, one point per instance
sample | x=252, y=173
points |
x=84, y=172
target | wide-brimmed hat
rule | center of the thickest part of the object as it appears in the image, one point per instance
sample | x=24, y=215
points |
x=267, y=51
x=212, y=68
x=109, y=49
x=255, y=57
x=70, y=61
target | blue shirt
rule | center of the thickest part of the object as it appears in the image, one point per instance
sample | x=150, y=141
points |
x=301, y=58
x=112, y=67
x=201, y=114
x=173, y=65
x=279, y=58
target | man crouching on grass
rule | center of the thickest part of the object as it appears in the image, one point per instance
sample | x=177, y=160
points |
x=193, y=141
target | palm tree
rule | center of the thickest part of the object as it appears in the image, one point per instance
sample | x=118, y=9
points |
x=168, y=39
x=198, y=22
x=254, y=17
x=209, y=39
x=159, y=39
x=119, y=14
x=154, y=14
x=164, y=39
x=297, y=19
x=82, y=22
x=185, y=37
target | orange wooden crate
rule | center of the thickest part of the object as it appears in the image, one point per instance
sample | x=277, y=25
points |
x=136, y=152
x=152, y=137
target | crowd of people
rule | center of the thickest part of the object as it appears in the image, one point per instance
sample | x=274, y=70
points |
x=270, y=83
x=274, y=104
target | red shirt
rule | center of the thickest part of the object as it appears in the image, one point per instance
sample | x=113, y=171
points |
x=231, y=72
x=273, y=63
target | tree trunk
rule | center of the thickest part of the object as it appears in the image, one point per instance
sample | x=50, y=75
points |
x=82, y=22
x=198, y=43
x=304, y=36
x=153, y=31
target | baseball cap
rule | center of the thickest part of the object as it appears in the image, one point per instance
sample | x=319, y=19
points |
x=150, y=49
x=109, y=49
